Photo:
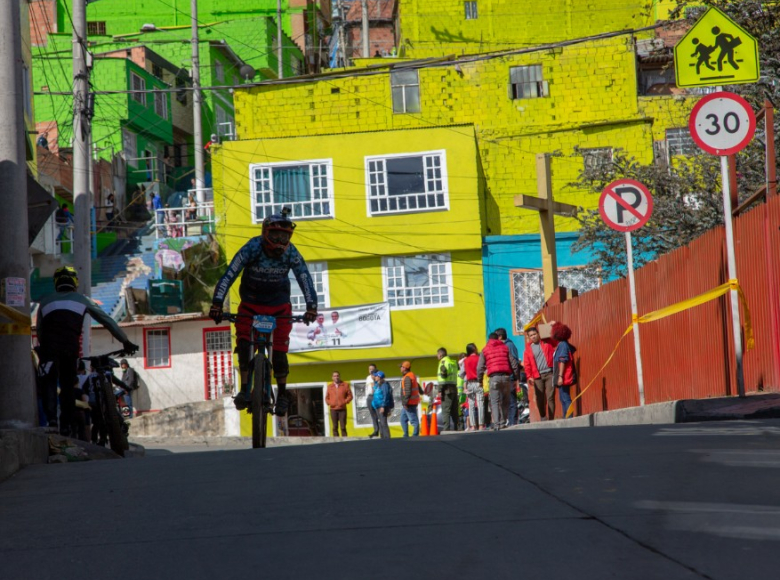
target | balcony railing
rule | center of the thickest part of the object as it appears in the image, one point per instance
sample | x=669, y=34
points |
x=63, y=238
x=177, y=222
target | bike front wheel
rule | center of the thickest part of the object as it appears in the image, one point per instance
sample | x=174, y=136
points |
x=259, y=409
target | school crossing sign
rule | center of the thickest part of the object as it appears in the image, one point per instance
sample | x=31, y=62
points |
x=716, y=51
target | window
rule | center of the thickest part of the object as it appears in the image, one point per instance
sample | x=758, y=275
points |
x=138, y=86
x=219, y=71
x=96, y=28
x=680, y=142
x=596, y=158
x=161, y=105
x=157, y=348
x=407, y=183
x=130, y=147
x=319, y=275
x=418, y=281
x=181, y=93
x=157, y=71
x=471, y=10
x=528, y=290
x=526, y=82
x=306, y=186
x=296, y=65
x=224, y=125
x=405, y=85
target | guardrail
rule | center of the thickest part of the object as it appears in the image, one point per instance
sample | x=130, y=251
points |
x=177, y=222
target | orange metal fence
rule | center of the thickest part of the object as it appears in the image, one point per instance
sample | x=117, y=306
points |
x=690, y=354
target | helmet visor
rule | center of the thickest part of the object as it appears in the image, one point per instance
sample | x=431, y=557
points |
x=278, y=237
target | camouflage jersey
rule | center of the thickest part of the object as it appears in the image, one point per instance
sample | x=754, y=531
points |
x=265, y=280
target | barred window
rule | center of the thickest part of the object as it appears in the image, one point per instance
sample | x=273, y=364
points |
x=157, y=348
x=418, y=281
x=407, y=183
x=96, y=28
x=680, y=142
x=596, y=158
x=305, y=186
x=471, y=10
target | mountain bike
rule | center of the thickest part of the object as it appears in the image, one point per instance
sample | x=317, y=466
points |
x=107, y=422
x=263, y=400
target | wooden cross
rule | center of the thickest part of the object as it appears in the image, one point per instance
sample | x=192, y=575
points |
x=548, y=208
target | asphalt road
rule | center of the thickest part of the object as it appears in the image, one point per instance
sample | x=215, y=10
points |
x=646, y=502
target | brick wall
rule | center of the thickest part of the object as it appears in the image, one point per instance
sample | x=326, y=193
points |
x=43, y=20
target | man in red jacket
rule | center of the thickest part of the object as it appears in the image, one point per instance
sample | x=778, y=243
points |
x=338, y=396
x=501, y=368
x=538, y=362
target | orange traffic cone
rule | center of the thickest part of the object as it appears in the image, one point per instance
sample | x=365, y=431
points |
x=424, y=425
x=434, y=428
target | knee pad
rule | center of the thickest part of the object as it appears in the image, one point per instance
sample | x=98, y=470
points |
x=280, y=364
x=244, y=352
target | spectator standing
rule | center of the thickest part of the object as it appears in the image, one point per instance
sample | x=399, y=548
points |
x=501, y=368
x=448, y=389
x=473, y=388
x=157, y=206
x=130, y=378
x=110, y=208
x=502, y=336
x=410, y=399
x=338, y=397
x=564, y=371
x=370, y=382
x=383, y=403
x=538, y=362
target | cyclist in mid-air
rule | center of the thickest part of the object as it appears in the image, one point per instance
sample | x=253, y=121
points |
x=266, y=261
x=59, y=325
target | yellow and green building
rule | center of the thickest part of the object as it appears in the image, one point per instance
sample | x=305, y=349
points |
x=481, y=118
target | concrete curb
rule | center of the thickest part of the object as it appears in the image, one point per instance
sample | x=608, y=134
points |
x=21, y=447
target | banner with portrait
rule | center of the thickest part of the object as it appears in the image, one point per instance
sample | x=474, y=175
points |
x=362, y=326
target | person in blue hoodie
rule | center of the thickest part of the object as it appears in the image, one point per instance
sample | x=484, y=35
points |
x=383, y=403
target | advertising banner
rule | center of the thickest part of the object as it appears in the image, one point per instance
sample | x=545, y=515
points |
x=362, y=326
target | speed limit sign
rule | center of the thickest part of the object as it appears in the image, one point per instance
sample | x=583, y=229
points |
x=722, y=123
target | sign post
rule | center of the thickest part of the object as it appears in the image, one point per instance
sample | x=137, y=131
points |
x=626, y=205
x=722, y=124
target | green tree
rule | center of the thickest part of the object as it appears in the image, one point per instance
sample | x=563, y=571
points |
x=687, y=194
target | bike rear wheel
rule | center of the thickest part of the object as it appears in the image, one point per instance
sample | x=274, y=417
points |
x=113, y=422
x=259, y=410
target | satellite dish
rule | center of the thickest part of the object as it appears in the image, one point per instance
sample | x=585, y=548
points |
x=247, y=72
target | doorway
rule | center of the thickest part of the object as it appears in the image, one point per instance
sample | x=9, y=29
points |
x=306, y=414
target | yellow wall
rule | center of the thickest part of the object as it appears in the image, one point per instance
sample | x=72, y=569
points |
x=593, y=103
x=439, y=27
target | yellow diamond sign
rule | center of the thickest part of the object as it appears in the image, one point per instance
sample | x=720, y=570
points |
x=716, y=51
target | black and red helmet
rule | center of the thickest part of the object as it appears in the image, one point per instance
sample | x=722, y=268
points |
x=277, y=230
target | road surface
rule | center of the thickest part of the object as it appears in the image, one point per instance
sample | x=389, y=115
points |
x=645, y=502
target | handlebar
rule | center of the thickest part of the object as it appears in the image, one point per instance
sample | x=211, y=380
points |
x=101, y=358
x=234, y=316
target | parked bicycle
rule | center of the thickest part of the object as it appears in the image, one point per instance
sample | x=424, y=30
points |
x=263, y=399
x=108, y=424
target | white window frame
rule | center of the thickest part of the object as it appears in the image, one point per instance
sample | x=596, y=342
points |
x=444, y=260
x=164, y=333
x=161, y=105
x=225, y=125
x=274, y=206
x=319, y=275
x=219, y=71
x=405, y=109
x=376, y=180
x=682, y=141
x=470, y=8
x=141, y=81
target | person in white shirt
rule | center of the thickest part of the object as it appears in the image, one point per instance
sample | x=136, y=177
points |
x=370, y=382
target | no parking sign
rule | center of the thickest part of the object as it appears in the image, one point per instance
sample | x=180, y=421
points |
x=625, y=205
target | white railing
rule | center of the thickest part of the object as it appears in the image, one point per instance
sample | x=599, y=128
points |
x=177, y=222
x=63, y=238
x=207, y=192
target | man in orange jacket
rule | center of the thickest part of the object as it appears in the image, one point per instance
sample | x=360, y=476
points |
x=339, y=395
x=410, y=398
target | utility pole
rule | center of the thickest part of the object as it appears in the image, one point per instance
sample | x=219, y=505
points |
x=366, y=49
x=197, y=100
x=82, y=159
x=17, y=383
x=279, y=45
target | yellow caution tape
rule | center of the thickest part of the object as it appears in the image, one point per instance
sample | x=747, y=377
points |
x=534, y=321
x=21, y=323
x=674, y=309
